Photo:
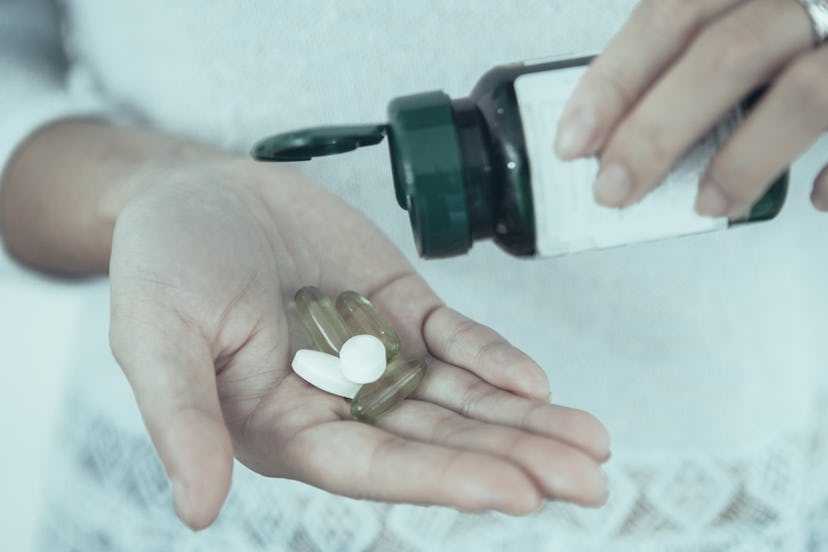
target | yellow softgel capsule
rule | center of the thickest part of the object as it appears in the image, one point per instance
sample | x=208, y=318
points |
x=362, y=317
x=325, y=327
x=400, y=379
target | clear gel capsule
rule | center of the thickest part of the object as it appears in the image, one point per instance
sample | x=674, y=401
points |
x=400, y=379
x=326, y=328
x=362, y=317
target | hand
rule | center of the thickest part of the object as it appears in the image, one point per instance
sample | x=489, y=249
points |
x=674, y=69
x=202, y=267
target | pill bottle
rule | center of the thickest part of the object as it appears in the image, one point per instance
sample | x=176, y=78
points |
x=484, y=167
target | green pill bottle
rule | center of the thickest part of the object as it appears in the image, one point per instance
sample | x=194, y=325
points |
x=484, y=167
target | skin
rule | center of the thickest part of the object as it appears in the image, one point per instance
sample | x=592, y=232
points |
x=204, y=251
x=672, y=71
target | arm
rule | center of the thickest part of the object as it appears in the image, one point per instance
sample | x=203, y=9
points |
x=32, y=93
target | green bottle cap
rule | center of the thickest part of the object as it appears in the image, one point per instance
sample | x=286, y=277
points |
x=302, y=145
x=428, y=173
x=426, y=160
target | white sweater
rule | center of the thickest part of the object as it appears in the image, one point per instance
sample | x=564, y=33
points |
x=703, y=355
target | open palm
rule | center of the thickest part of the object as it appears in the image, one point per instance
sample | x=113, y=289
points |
x=203, y=267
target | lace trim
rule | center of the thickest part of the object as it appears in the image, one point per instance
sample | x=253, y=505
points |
x=109, y=493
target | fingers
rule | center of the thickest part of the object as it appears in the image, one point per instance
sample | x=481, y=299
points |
x=466, y=394
x=363, y=461
x=560, y=471
x=307, y=435
x=791, y=116
x=730, y=57
x=819, y=197
x=655, y=34
x=425, y=326
x=455, y=339
x=171, y=373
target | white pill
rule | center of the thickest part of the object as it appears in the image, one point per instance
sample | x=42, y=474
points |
x=362, y=358
x=323, y=371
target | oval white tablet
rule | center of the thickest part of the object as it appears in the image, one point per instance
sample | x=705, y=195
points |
x=323, y=371
x=362, y=358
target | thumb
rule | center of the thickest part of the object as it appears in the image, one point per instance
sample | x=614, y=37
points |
x=171, y=371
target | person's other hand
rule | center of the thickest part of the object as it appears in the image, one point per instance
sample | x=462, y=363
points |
x=673, y=70
x=202, y=269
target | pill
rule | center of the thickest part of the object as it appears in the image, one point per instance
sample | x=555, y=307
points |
x=362, y=358
x=400, y=379
x=323, y=324
x=323, y=371
x=362, y=317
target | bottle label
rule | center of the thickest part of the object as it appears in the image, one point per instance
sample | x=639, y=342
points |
x=567, y=219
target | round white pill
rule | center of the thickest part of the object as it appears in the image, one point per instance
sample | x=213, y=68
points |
x=323, y=371
x=362, y=358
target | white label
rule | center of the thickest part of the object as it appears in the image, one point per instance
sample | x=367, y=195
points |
x=567, y=219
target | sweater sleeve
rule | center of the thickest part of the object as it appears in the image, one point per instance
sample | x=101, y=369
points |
x=33, y=71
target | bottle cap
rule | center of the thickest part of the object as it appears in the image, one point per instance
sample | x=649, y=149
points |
x=426, y=161
x=302, y=145
x=428, y=173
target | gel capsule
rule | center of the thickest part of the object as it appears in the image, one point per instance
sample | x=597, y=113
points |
x=326, y=328
x=323, y=371
x=400, y=379
x=362, y=317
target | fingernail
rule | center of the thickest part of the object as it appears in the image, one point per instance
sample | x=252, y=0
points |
x=606, y=487
x=711, y=202
x=575, y=132
x=604, y=492
x=819, y=201
x=613, y=185
x=180, y=500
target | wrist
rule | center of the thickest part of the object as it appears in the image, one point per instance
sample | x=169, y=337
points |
x=171, y=161
x=66, y=185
